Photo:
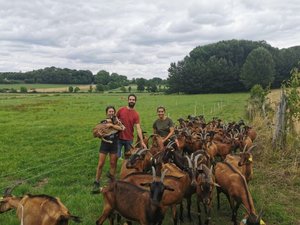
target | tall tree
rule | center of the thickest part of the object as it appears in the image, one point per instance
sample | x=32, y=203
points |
x=102, y=77
x=141, y=82
x=259, y=68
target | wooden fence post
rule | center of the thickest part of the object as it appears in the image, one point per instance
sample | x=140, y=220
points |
x=279, y=136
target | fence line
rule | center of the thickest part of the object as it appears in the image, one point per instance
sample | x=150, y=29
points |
x=49, y=171
x=45, y=164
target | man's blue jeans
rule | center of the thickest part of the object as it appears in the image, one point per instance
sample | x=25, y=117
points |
x=126, y=144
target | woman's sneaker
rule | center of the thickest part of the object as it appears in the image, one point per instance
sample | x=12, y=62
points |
x=96, y=188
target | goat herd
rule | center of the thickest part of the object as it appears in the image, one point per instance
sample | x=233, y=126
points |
x=201, y=156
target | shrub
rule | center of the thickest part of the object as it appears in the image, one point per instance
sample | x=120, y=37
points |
x=23, y=89
x=90, y=89
x=258, y=104
x=76, y=89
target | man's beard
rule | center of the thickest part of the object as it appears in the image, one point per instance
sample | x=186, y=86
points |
x=131, y=105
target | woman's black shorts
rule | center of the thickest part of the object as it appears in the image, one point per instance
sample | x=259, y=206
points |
x=111, y=148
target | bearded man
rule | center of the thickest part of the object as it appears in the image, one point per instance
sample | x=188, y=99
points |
x=130, y=118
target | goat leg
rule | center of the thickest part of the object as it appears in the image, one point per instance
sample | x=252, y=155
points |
x=199, y=212
x=189, y=203
x=181, y=212
x=174, y=212
x=106, y=212
x=218, y=197
x=207, y=212
x=234, y=213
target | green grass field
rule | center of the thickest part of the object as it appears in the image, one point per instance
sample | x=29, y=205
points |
x=46, y=142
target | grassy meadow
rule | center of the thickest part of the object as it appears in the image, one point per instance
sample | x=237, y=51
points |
x=46, y=142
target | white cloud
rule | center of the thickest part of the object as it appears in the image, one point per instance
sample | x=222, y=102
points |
x=133, y=38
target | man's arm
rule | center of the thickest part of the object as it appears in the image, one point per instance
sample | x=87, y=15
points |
x=139, y=132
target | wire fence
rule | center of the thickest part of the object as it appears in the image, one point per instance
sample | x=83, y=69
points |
x=44, y=169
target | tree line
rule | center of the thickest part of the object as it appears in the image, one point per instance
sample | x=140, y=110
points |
x=104, y=80
x=231, y=66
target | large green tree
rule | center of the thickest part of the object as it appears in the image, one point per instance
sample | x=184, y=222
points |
x=141, y=83
x=102, y=77
x=213, y=68
x=259, y=68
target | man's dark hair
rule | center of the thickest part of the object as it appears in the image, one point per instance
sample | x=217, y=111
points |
x=133, y=95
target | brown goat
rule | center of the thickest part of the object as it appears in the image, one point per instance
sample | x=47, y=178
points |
x=133, y=202
x=157, y=144
x=140, y=160
x=251, y=132
x=223, y=149
x=175, y=178
x=243, y=162
x=37, y=209
x=204, y=189
x=103, y=130
x=235, y=187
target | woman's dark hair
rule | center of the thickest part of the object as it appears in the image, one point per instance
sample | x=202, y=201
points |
x=160, y=107
x=109, y=107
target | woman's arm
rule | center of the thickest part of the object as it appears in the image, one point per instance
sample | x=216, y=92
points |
x=115, y=126
x=169, y=134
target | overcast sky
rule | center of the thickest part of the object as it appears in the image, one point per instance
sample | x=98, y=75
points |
x=134, y=38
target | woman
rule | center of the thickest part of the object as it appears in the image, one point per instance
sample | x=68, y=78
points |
x=108, y=148
x=163, y=126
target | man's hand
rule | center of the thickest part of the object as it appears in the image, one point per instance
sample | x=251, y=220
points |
x=143, y=144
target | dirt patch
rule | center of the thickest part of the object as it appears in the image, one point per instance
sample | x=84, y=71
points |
x=30, y=106
x=64, y=89
x=41, y=183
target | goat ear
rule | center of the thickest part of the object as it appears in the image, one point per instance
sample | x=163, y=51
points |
x=145, y=184
x=169, y=188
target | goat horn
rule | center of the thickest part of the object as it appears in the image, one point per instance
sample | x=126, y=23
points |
x=136, y=144
x=170, y=144
x=259, y=215
x=163, y=175
x=205, y=136
x=142, y=150
x=246, y=209
x=196, y=160
x=154, y=173
x=206, y=170
x=250, y=149
x=244, y=148
x=215, y=184
x=192, y=156
x=189, y=161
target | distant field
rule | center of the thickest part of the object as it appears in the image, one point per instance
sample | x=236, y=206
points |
x=59, y=87
x=17, y=86
x=46, y=141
